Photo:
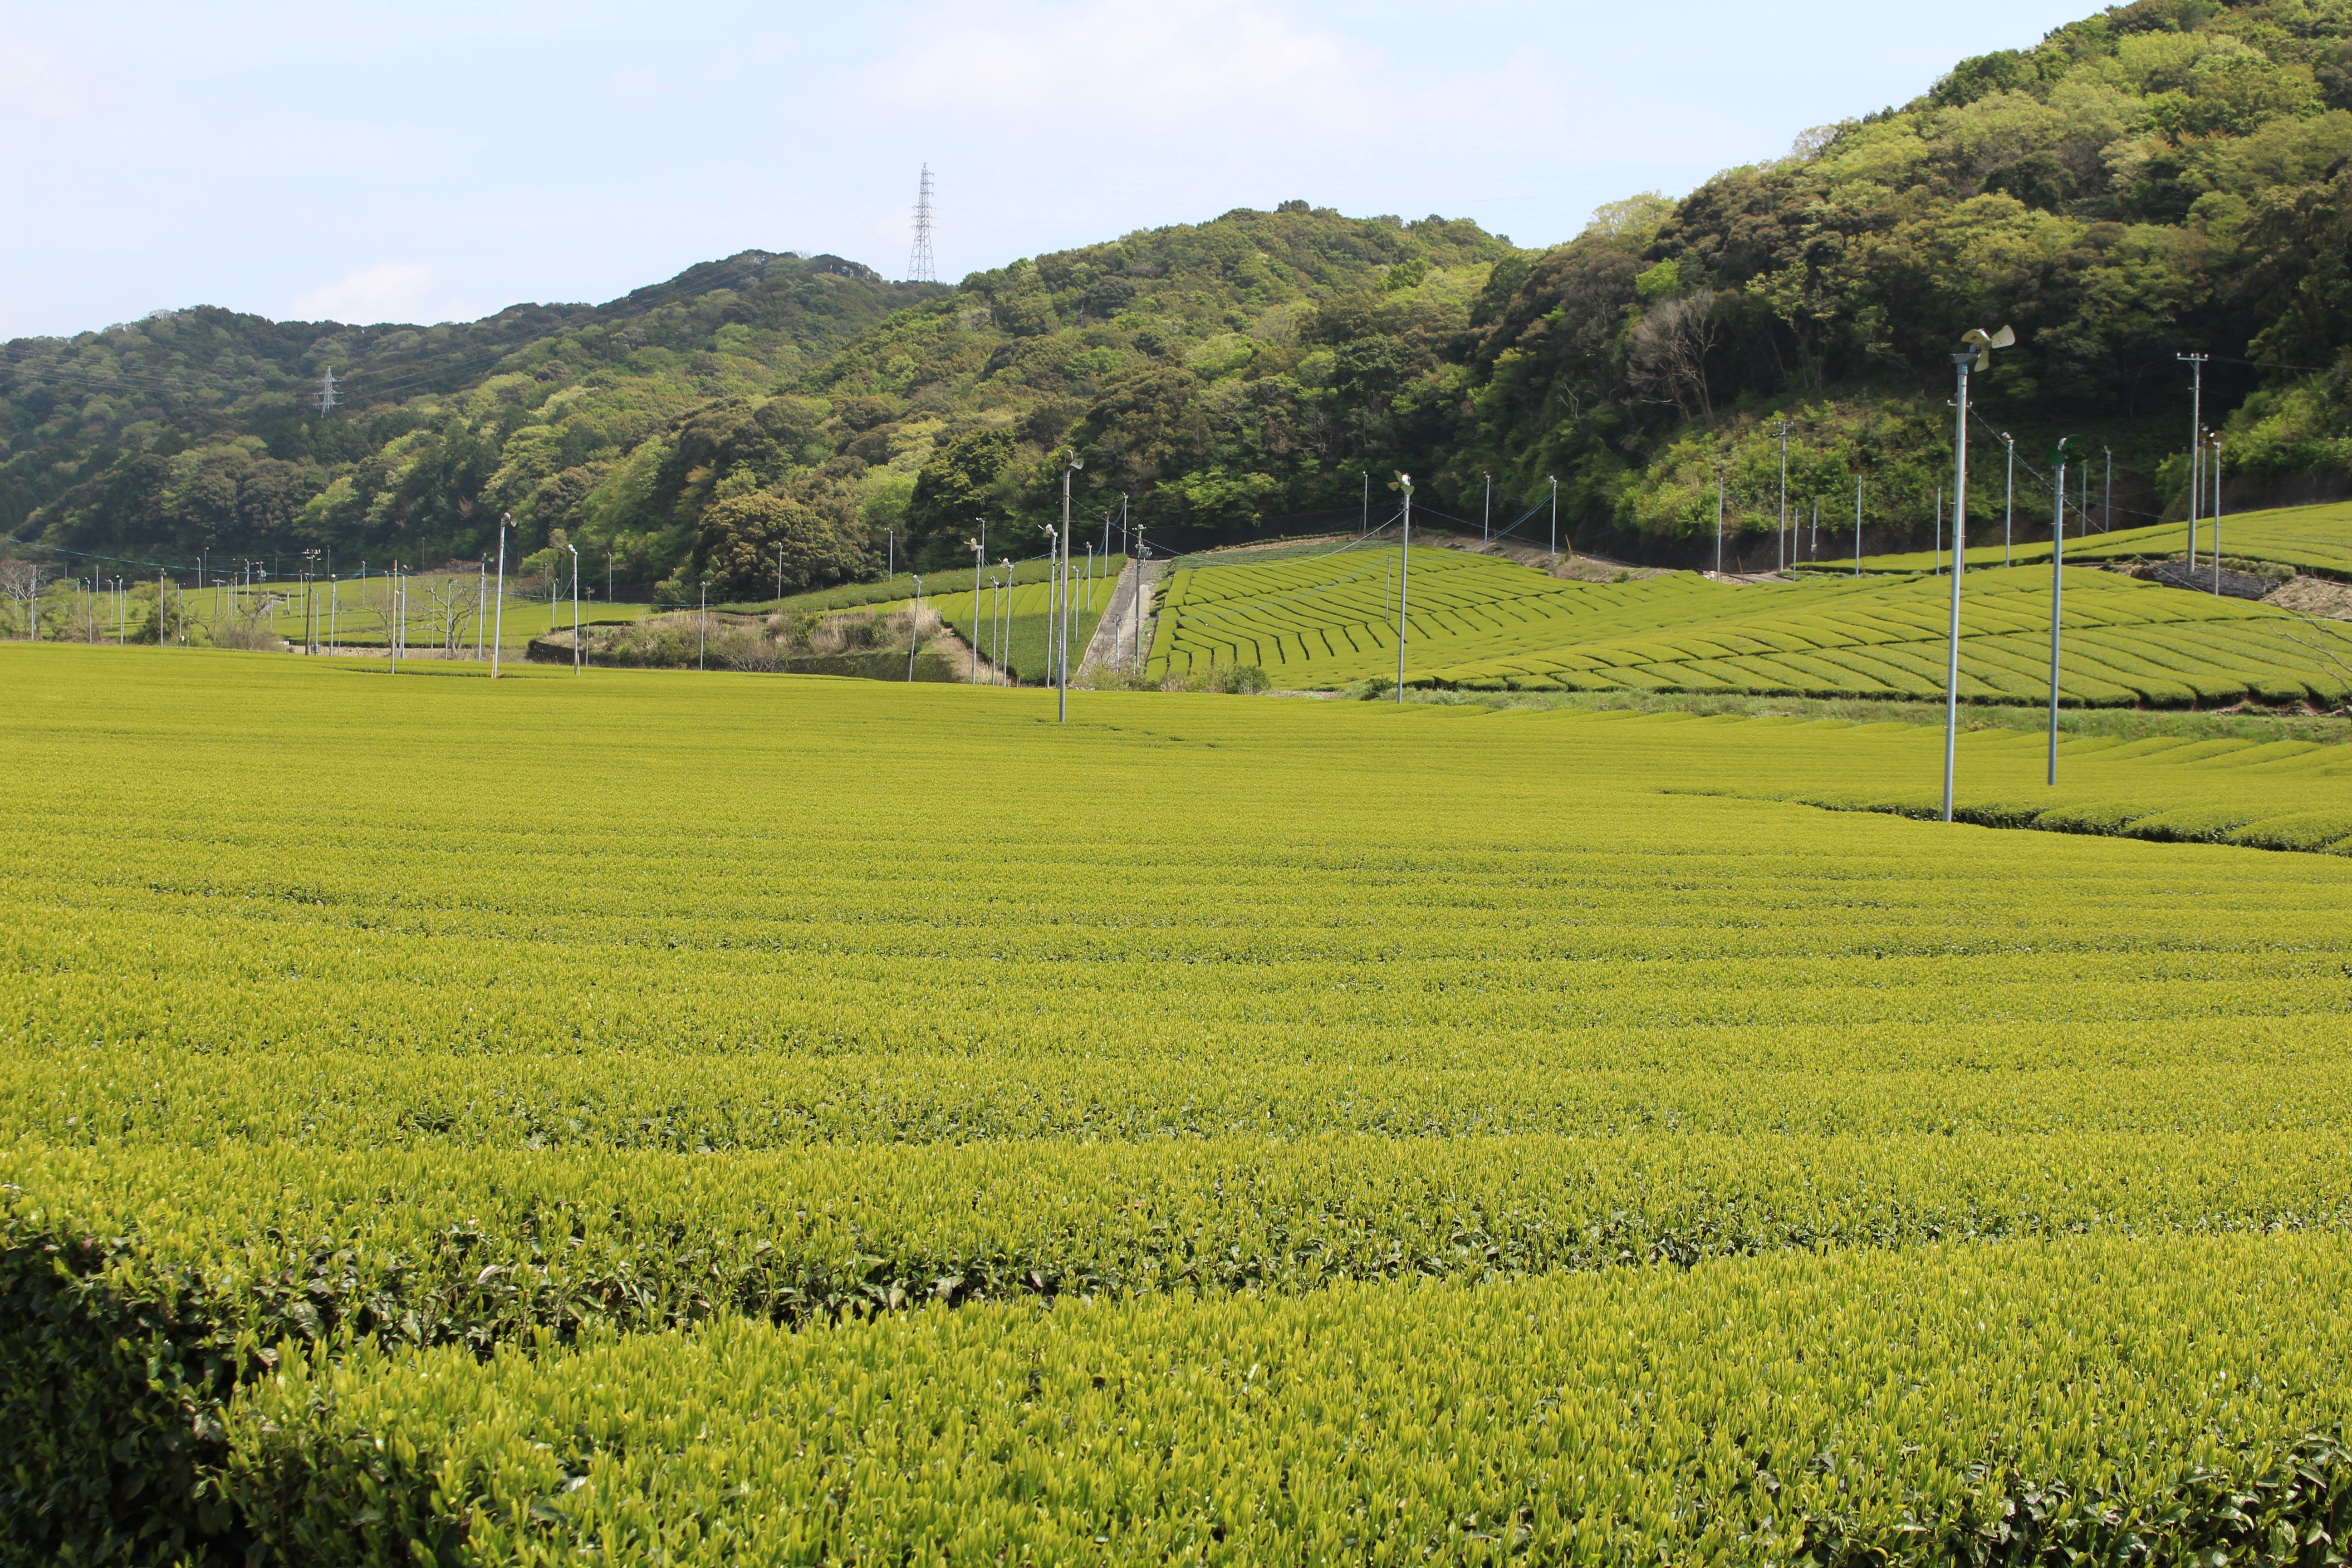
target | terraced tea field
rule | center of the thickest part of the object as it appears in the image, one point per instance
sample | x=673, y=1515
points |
x=1479, y=623
x=763, y=1119
x=2311, y=539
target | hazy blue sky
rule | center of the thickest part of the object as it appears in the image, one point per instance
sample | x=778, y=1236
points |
x=438, y=159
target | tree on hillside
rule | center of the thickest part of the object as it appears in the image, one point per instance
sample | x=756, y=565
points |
x=747, y=538
x=953, y=488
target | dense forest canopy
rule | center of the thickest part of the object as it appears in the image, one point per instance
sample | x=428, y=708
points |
x=2167, y=176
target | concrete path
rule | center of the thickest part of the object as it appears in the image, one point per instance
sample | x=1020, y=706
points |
x=1115, y=645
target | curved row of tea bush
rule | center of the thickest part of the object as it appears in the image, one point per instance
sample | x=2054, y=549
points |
x=348, y=1012
x=1479, y=623
x=2174, y=1400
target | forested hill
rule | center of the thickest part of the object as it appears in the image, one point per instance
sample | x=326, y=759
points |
x=199, y=430
x=2163, y=177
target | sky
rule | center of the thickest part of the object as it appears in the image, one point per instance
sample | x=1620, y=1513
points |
x=438, y=160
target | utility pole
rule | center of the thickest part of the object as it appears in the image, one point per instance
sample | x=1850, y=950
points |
x=2217, y=518
x=1134, y=603
x=915, y=629
x=2009, y=501
x=1555, y=521
x=2057, y=586
x=1781, y=540
x=499, y=613
x=576, y=652
x=919, y=267
x=1063, y=714
x=978, y=564
x=1969, y=358
x=2196, y=364
x=1405, y=583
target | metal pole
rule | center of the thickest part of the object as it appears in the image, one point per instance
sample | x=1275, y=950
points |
x=1814, y=544
x=1857, y=525
x=1554, y=521
x=1367, y=528
x=2057, y=587
x=499, y=611
x=2216, y=516
x=2107, y=502
x=890, y=542
x=2196, y=443
x=1780, y=538
x=702, y=628
x=576, y=653
x=978, y=564
x=1063, y=706
x=1486, y=517
x=1959, y=555
x=915, y=628
x=2009, y=500
x=1939, y=531
x=481, y=591
x=1718, y=528
x=1405, y=583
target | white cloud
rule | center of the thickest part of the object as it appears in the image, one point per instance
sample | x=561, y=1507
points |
x=39, y=83
x=388, y=292
x=1130, y=56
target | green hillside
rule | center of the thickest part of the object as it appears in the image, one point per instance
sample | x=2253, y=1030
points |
x=1480, y=624
x=198, y=432
x=2165, y=176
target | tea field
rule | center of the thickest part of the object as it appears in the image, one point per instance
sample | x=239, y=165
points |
x=1479, y=623
x=772, y=1118
x=2311, y=539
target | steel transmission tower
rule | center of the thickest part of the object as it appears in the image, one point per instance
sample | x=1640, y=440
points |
x=327, y=398
x=919, y=267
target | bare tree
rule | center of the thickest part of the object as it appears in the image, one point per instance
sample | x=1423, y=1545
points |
x=21, y=584
x=2327, y=643
x=450, y=606
x=1668, y=353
